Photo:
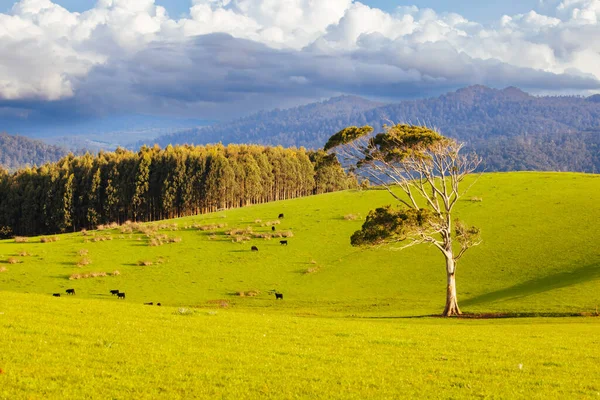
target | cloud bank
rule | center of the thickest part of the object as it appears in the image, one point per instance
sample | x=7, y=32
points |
x=230, y=57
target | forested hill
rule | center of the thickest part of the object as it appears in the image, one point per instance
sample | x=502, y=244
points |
x=511, y=129
x=19, y=151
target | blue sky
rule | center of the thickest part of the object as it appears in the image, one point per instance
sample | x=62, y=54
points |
x=227, y=58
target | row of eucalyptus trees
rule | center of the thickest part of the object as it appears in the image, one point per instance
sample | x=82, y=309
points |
x=154, y=184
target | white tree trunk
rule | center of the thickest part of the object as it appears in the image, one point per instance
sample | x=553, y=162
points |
x=451, y=298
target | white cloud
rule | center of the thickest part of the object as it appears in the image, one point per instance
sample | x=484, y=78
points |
x=307, y=47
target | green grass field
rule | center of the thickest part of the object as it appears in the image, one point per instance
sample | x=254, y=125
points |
x=340, y=331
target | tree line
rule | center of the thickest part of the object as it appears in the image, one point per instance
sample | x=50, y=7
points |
x=82, y=192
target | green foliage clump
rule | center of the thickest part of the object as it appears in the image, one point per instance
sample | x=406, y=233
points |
x=387, y=224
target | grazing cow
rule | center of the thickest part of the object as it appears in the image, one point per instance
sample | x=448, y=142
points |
x=158, y=304
x=121, y=295
x=278, y=296
x=114, y=292
x=283, y=242
x=56, y=294
x=273, y=228
x=70, y=291
x=280, y=216
x=149, y=304
x=254, y=248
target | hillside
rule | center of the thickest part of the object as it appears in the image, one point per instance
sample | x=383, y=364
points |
x=537, y=256
x=510, y=128
x=18, y=151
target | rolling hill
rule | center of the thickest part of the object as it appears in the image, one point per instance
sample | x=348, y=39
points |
x=511, y=129
x=537, y=255
x=351, y=325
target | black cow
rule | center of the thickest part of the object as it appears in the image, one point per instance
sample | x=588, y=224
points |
x=121, y=295
x=56, y=294
x=273, y=228
x=280, y=216
x=283, y=242
x=114, y=292
x=158, y=304
x=149, y=304
x=254, y=248
x=278, y=296
x=70, y=291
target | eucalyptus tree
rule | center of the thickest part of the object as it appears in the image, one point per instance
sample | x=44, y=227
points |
x=423, y=171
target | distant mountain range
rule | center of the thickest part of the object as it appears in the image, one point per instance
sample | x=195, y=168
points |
x=511, y=129
x=19, y=151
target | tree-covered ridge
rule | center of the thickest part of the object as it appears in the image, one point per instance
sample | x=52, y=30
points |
x=509, y=128
x=19, y=151
x=153, y=184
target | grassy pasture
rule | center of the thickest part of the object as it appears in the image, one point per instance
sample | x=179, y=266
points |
x=540, y=254
x=340, y=332
x=81, y=348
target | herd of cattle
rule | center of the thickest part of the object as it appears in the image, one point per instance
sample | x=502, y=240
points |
x=121, y=295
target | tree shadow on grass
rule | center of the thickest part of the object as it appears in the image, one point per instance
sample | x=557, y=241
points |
x=536, y=286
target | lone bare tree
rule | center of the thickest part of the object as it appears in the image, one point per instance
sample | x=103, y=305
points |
x=428, y=168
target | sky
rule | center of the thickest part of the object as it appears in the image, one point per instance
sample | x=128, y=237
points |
x=71, y=60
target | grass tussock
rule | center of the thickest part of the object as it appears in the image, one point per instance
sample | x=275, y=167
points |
x=312, y=270
x=258, y=221
x=83, y=252
x=476, y=199
x=351, y=217
x=12, y=260
x=145, y=263
x=249, y=293
x=266, y=236
x=240, y=231
x=49, y=239
x=24, y=254
x=271, y=223
x=240, y=239
x=87, y=275
x=210, y=227
x=21, y=239
x=115, y=273
x=103, y=238
x=83, y=262
x=3, y=269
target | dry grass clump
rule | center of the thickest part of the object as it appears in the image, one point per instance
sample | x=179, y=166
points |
x=266, y=236
x=24, y=254
x=21, y=239
x=351, y=217
x=239, y=231
x=167, y=227
x=13, y=260
x=283, y=234
x=83, y=252
x=3, y=269
x=219, y=303
x=155, y=242
x=83, y=262
x=49, y=239
x=84, y=232
x=175, y=240
x=212, y=237
x=271, y=223
x=312, y=270
x=476, y=199
x=250, y=293
x=211, y=227
x=115, y=273
x=145, y=263
x=258, y=221
x=105, y=238
x=240, y=239
x=87, y=275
